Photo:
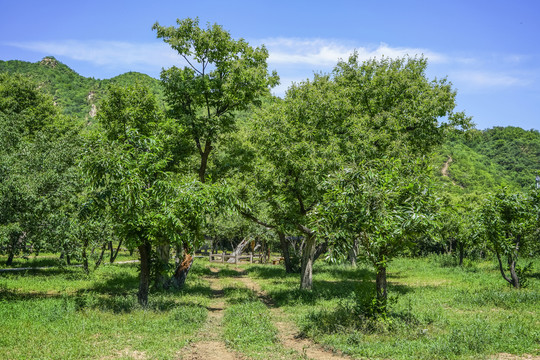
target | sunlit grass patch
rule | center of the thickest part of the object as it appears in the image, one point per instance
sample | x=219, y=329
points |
x=440, y=311
x=248, y=328
x=66, y=314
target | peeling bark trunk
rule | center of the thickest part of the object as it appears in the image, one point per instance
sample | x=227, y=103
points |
x=308, y=254
x=238, y=250
x=285, y=252
x=179, y=278
x=144, y=277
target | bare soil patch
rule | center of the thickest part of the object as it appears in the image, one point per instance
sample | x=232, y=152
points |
x=506, y=356
x=445, y=173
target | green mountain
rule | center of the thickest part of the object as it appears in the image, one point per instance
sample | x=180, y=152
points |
x=75, y=94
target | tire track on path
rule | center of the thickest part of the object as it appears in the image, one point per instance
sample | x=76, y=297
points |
x=288, y=332
x=211, y=347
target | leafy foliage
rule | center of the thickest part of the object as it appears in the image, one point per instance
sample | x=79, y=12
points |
x=224, y=76
x=39, y=181
x=509, y=221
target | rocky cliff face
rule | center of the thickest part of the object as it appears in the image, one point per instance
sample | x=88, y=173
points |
x=49, y=61
x=93, y=109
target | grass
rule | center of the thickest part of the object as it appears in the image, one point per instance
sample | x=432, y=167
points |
x=440, y=311
x=248, y=328
x=65, y=314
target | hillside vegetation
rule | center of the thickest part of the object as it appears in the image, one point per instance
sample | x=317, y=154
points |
x=488, y=159
x=76, y=95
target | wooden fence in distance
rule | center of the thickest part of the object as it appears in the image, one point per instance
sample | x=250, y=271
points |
x=224, y=257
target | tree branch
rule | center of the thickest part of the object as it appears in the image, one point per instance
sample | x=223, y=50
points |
x=305, y=229
x=193, y=67
x=254, y=219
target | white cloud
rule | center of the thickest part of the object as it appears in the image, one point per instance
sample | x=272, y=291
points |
x=483, y=79
x=326, y=53
x=107, y=53
x=295, y=59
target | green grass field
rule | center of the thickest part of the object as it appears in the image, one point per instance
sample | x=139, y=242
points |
x=438, y=312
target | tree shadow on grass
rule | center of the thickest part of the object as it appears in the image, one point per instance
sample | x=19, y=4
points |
x=121, y=283
x=348, y=281
x=15, y=295
x=69, y=273
x=268, y=272
x=346, y=272
x=322, y=290
x=239, y=295
x=535, y=275
x=120, y=297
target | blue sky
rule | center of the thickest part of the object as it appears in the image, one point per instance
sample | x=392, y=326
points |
x=489, y=50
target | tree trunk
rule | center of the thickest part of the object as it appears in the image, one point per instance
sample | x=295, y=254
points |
x=100, y=259
x=308, y=254
x=238, y=250
x=85, y=257
x=320, y=249
x=9, y=260
x=145, y=250
x=511, y=259
x=12, y=248
x=163, y=255
x=179, y=278
x=113, y=256
x=380, y=284
x=353, y=252
x=515, y=280
x=501, y=268
x=264, y=252
x=204, y=158
x=461, y=252
x=285, y=252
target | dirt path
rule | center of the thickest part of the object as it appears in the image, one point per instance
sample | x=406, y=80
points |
x=288, y=333
x=444, y=170
x=212, y=346
x=445, y=173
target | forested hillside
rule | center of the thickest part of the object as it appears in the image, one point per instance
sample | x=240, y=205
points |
x=75, y=94
x=484, y=160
